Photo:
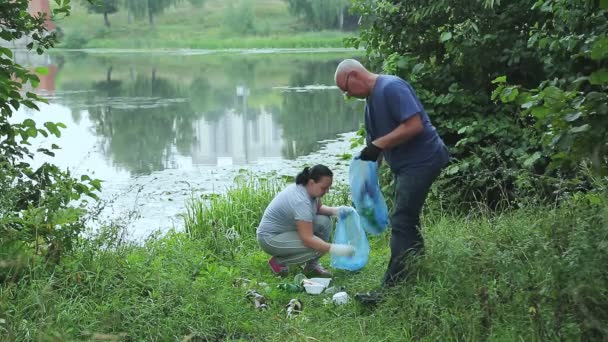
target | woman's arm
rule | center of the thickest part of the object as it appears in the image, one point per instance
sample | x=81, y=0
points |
x=327, y=211
x=305, y=231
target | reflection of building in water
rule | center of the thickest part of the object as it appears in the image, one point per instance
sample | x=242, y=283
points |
x=41, y=6
x=31, y=59
x=235, y=140
x=34, y=7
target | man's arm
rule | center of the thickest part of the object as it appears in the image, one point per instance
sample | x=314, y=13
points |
x=404, y=132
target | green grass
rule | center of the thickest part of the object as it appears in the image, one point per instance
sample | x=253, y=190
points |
x=184, y=26
x=302, y=40
x=536, y=273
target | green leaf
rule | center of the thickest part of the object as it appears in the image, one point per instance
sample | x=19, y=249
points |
x=599, y=77
x=29, y=123
x=532, y=159
x=445, y=36
x=51, y=127
x=496, y=93
x=604, y=4
x=573, y=116
x=417, y=68
x=509, y=94
x=42, y=70
x=539, y=112
x=45, y=151
x=580, y=129
x=452, y=170
x=500, y=79
x=552, y=95
x=7, y=52
x=528, y=105
x=96, y=183
x=600, y=49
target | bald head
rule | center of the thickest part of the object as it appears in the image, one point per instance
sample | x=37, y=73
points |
x=347, y=66
x=353, y=79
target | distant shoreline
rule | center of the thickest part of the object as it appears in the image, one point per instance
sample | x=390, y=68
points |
x=192, y=52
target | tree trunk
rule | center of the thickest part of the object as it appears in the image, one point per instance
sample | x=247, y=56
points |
x=341, y=20
x=150, y=17
x=105, y=19
x=129, y=16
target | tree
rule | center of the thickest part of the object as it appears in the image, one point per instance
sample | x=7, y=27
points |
x=320, y=14
x=104, y=7
x=198, y=3
x=459, y=54
x=150, y=8
x=135, y=9
x=240, y=18
x=156, y=7
x=37, y=215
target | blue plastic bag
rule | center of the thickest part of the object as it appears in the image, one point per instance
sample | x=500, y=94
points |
x=349, y=232
x=366, y=195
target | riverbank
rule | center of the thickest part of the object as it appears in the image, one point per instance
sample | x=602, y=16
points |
x=532, y=274
x=159, y=40
x=213, y=26
x=155, y=203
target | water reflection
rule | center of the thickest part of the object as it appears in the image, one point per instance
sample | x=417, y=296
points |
x=310, y=116
x=218, y=110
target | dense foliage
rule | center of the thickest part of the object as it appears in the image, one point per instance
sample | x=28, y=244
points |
x=38, y=217
x=459, y=56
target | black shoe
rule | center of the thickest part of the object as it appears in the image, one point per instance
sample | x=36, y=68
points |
x=371, y=298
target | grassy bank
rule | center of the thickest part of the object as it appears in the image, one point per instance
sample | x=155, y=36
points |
x=159, y=40
x=533, y=274
x=213, y=26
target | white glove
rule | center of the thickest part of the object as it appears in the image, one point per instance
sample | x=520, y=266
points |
x=344, y=210
x=341, y=250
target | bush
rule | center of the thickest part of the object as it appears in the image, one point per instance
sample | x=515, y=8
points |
x=39, y=219
x=74, y=40
x=239, y=19
x=454, y=53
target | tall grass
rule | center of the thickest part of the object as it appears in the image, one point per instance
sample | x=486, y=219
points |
x=226, y=223
x=537, y=273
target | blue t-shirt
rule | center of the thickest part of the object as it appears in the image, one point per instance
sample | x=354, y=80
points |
x=391, y=102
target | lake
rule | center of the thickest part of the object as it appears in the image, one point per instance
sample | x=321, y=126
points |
x=162, y=127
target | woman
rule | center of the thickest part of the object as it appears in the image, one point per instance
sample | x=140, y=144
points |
x=296, y=227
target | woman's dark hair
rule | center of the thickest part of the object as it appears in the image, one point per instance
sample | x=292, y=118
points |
x=315, y=173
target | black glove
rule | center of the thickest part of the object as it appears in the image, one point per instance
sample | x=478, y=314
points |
x=371, y=152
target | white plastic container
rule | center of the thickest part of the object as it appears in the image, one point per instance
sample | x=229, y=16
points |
x=340, y=298
x=322, y=281
x=314, y=288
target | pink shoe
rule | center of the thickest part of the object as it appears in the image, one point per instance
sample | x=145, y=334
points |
x=277, y=268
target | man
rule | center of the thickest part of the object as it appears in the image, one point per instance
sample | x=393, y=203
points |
x=398, y=129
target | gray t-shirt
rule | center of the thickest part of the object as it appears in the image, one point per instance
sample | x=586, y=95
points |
x=290, y=205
